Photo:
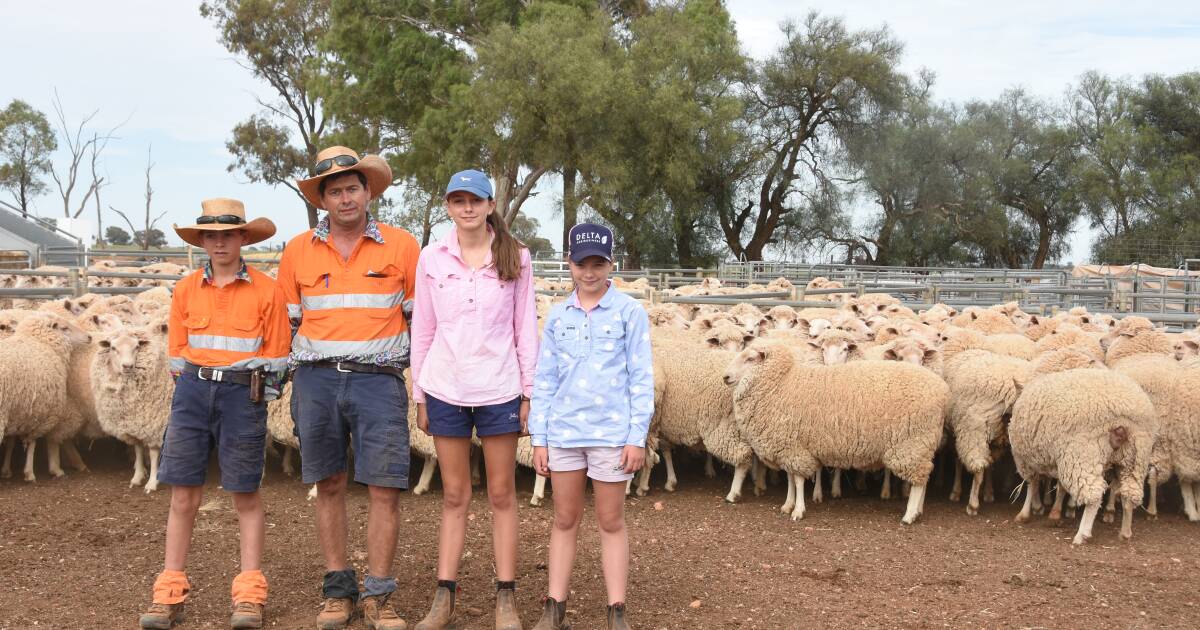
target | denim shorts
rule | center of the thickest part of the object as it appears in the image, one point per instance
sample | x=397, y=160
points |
x=207, y=415
x=369, y=412
x=446, y=420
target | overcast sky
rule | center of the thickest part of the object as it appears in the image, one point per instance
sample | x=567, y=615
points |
x=158, y=65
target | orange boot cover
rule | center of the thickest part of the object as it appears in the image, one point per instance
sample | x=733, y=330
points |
x=250, y=586
x=171, y=587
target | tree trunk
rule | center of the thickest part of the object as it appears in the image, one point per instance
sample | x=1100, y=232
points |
x=1043, y=250
x=312, y=214
x=685, y=236
x=570, y=205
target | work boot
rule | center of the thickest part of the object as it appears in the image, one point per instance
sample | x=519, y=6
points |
x=379, y=614
x=246, y=615
x=554, y=615
x=441, y=613
x=335, y=613
x=161, y=616
x=616, y=617
x=506, y=607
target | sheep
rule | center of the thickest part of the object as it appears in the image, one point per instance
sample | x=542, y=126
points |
x=1009, y=345
x=1069, y=336
x=34, y=367
x=986, y=322
x=984, y=386
x=887, y=414
x=132, y=387
x=870, y=304
x=1039, y=327
x=783, y=284
x=782, y=316
x=1073, y=425
x=910, y=350
x=727, y=336
x=747, y=315
x=837, y=347
x=667, y=315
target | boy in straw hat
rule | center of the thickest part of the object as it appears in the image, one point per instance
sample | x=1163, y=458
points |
x=228, y=344
x=349, y=289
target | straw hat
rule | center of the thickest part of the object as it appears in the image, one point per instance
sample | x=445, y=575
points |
x=376, y=169
x=228, y=214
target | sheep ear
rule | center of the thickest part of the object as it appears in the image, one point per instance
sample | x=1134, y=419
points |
x=713, y=342
x=162, y=328
x=930, y=353
x=890, y=355
x=104, y=343
x=769, y=317
x=851, y=346
x=747, y=338
x=143, y=342
x=1034, y=321
x=1191, y=344
x=813, y=344
x=95, y=319
x=892, y=330
x=974, y=315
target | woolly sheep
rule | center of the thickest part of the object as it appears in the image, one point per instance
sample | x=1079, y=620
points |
x=727, y=336
x=986, y=322
x=782, y=317
x=887, y=414
x=1074, y=425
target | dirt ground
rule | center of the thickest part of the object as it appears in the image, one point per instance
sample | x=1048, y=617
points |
x=82, y=552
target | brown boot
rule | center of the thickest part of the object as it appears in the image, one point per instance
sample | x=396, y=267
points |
x=335, y=613
x=441, y=613
x=616, y=617
x=506, y=607
x=246, y=615
x=161, y=616
x=379, y=614
x=554, y=615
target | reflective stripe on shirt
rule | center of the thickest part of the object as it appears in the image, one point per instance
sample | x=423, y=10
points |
x=219, y=342
x=350, y=300
x=328, y=348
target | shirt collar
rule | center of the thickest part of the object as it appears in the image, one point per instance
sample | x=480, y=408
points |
x=605, y=301
x=449, y=243
x=242, y=274
x=371, y=231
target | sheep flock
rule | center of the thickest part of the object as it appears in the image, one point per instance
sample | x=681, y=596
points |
x=1093, y=410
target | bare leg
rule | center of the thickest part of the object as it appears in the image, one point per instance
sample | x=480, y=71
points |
x=383, y=525
x=817, y=495
x=499, y=456
x=1035, y=488
x=614, y=539
x=568, y=509
x=1056, y=510
x=185, y=502
x=331, y=521
x=1085, y=525
x=454, y=459
x=252, y=525
x=427, y=470
x=739, y=477
x=1189, y=501
x=670, y=463
x=1031, y=491
x=30, y=449
x=836, y=490
x=915, y=498
x=1152, y=479
x=886, y=491
x=1126, y=519
x=798, y=511
x=152, y=481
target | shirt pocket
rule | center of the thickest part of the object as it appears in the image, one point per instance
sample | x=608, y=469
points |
x=449, y=296
x=610, y=339
x=570, y=341
x=196, y=322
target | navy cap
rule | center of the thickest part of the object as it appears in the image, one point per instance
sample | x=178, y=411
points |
x=589, y=239
x=472, y=181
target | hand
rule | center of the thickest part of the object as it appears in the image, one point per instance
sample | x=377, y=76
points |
x=524, y=413
x=541, y=461
x=632, y=458
x=422, y=418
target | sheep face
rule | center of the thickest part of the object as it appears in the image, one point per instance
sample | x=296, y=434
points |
x=910, y=351
x=781, y=318
x=728, y=338
x=119, y=352
x=817, y=326
x=1186, y=348
x=835, y=350
x=743, y=363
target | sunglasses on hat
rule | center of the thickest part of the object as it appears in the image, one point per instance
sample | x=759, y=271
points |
x=228, y=219
x=340, y=160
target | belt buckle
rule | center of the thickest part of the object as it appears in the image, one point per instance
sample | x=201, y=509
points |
x=338, y=367
x=214, y=375
x=200, y=373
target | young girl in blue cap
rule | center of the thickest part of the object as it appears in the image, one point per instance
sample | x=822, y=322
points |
x=592, y=402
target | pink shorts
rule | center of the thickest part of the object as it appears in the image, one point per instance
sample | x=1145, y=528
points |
x=602, y=462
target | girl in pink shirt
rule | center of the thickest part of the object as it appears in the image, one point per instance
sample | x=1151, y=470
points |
x=474, y=352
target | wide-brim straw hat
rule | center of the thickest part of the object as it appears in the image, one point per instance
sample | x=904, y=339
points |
x=375, y=168
x=256, y=231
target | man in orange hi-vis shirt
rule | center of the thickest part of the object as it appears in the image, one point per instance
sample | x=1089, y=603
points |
x=349, y=288
x=228, y=344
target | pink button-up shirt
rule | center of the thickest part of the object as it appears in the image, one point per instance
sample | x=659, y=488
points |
x=474, y=335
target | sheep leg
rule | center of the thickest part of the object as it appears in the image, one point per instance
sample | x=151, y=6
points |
x=1035, y=496
x=6, y=468
x=739, y=477
x=1189, y=500
x=798, y=511
x=74, y=459
x=915, y=498
x=1048, y=493
x=973, y=500
x=772, y=476
x=139, y=467
x=836, y=490
x=1071, y=505
x=1056, y=511
x=426, y=475
x=710, y=470
x=30, y=449
x=152, y=481
x=860, y=481
x=759, y=474
x=886, y=492
x=905, y=489
x=539, y=490
x=475, y=475
x=54, y=458
x=817, y=496
x=1085, y=525
x=1126, y=518
x=1031, y=491
x=1110, y=507
x=643, y=478
x=989, y=485
x=287, y=461
x=312, y=492
x=790, y=502
x=1152, y=509
x=670, y=463
x=956, y=489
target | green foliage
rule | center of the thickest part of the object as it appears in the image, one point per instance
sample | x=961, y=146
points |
x=114, y=235
x=156, y=238
x=26, y=142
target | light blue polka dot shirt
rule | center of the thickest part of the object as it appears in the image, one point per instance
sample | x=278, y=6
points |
x=595, y=378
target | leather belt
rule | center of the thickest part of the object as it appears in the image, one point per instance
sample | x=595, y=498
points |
x=362, y=368
x=239, y=377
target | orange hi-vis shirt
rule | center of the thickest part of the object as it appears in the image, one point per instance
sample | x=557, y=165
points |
x=354, y=309
x=242, y=325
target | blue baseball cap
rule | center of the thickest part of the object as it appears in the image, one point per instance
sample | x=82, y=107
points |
x=590, y=239
x=472, y=181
